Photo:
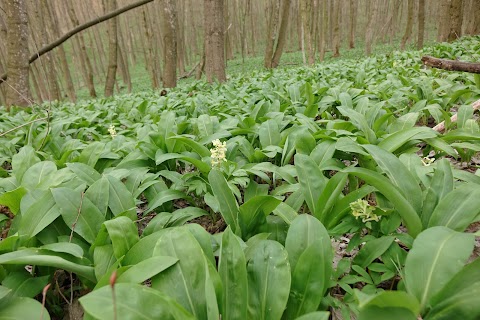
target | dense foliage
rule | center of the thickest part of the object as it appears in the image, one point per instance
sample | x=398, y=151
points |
x=105, y=190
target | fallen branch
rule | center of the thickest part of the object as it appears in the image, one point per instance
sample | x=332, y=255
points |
x=189, y=73
x=49, y=47
x=451, y=65
x=441, y=126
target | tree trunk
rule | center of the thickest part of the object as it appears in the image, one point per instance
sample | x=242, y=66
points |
x=169, y=22
x=409, y=27
x=323, y=27
x=18, y=90
x=353, y=23
x=476, y=7
x=451, y=65
x=282, y=33
x=372, y=14
x=335, y=25
x=272, y=27
x=111, y=5
x=456, y=19
x=421, y=23
x=214, y=40
x=443, y=20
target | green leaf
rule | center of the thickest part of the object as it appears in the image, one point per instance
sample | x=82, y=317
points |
x=91, y=153
x=87, y=222
x=23, y=308
x=99, y=194
x=165, y=196
x=132, y=301
x=201, y=166
x=312, y=181
x=372, y=250
x=385, y=187
x=120, y=200
x=226, y=200
x=269, y=134
x=396, y=140
x=123, y=233
x=458, y=209
x=253, y=213
x=86, y=173
x=24, y=159
x=233, y=273
x=39, y=215
x=146, y=269
x=23, y=284
x=438, y=253
x=317, y=315
x=65, y=247
x=11, y=199
x=398, y=174
x=388, y=299
x=330, y=195
x=39, y=176
x=48, y=258
x=196, y=147
x=186, y=280
x=269, y=279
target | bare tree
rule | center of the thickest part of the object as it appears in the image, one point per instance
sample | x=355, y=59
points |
x=372, y=14
x=409, y=27
x=353, y=23
x=272, y=57
x=456, y=20
x=214, y=40
x=112, y=49
x=18, y=92
x=335, y=25
x=421, y=23
x=169, y=23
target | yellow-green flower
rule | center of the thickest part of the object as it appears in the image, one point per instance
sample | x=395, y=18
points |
x=112, y=131
x=361, y=209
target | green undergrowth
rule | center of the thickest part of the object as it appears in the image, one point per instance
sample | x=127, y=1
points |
x=323, y=189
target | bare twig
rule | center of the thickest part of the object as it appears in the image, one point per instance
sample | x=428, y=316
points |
x=441, y=126
x=451, y=65
x=23, y=125
x=76, y=219
x=44, y=298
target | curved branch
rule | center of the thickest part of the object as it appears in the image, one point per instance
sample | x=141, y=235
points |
x=451, y=65
x=49, y=47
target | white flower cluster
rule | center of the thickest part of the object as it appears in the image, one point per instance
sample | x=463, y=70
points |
x=427, y=161
x=218, y=152
x=112, y=131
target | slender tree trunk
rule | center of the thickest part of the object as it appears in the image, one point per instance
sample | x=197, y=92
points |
x=444, y=20
x=324, y=27
x=408, y=29
x=282, y=33
x=476, y=26
x=170, y=24
x=456, y=20
x=214, y=40
x=149, y=61
x=353, y=23
x=112, y=49
x=272, y=27
x=372, y=14
x=18, y=90
x=421, y=23
x=335, y=25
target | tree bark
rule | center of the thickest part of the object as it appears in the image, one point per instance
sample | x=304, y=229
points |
x=443, y=20
x=78, y=29
x=272, y=27
x=335, y=25
x=372, y=14
x=451, y=65
x=409, y=27
x=18, y=89
x=214, y=40
x=169, y=23
x=353, y=23
x=456, y=20
x=282, y=33
x=421, y=24
x=111, y=5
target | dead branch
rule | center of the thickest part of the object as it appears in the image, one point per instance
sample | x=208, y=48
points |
x=49, y=47
x=441, y=126
x=189, y=73
x=451, y=65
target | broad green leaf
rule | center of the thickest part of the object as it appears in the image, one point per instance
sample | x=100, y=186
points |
x=24, y=284
x=165, y=196
x=372, y=250
x=317, y=315
x=226, y=200
x=458, y=209
x=23, y=308
x=48, y=258
x=253, y=213
x=123, y=233
x=186, y=280
x=312, y=181
x=91, y=153
x=132, y=301
x=79, y=213
x=269, y=279
x=385, y=187
x=388, y=299
x=146, y=269
x=99, y=194
x=39, y=215
x=459, y=297
x=103, y=260
x=196, y=147
x=86, y=173
x=396, y=140
x=269, y=133
x=39, y=176
x=24, y=159
x=120, y=200
x=438, y=253
x=398, y=174
x=330, y=194
x=11, y=199
x=65, y=247
x=202, y=166
x=233, y=272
